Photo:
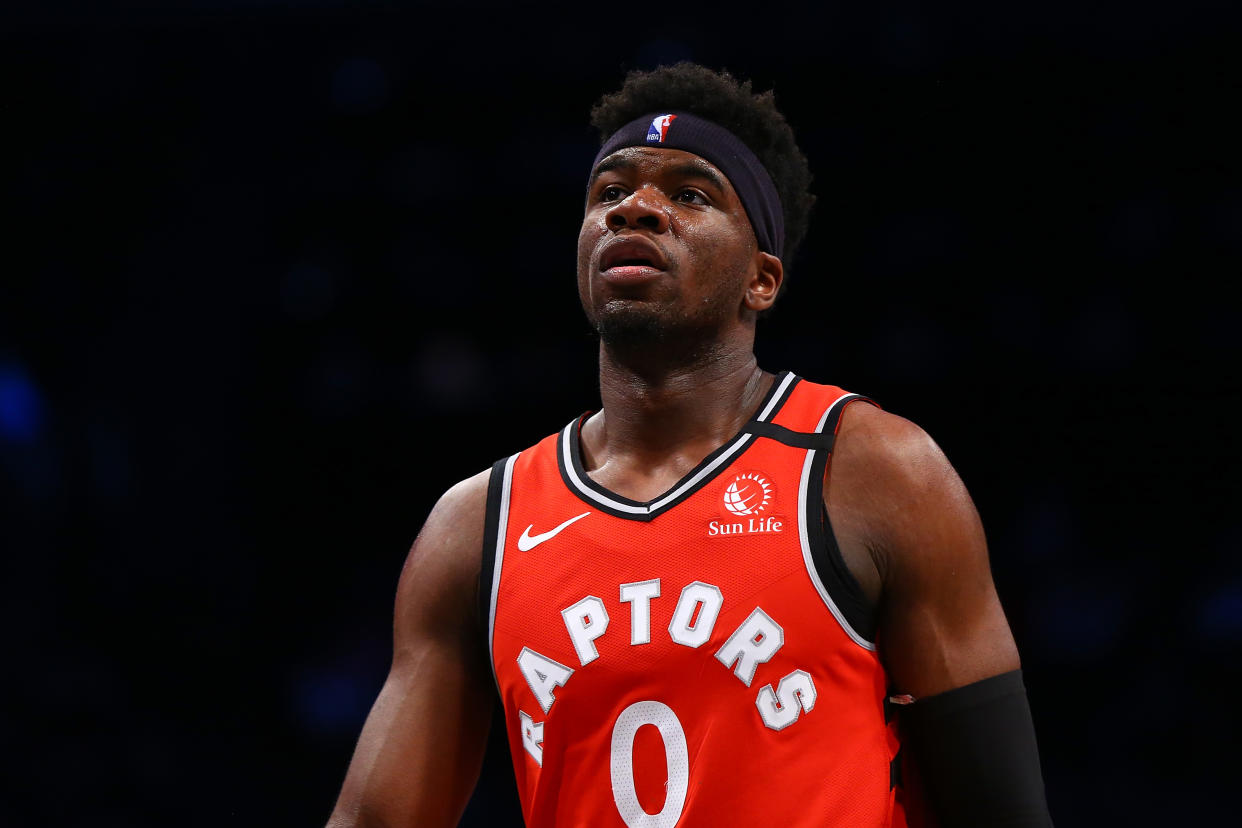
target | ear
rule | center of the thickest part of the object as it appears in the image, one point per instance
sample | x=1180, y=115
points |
x=765, y=284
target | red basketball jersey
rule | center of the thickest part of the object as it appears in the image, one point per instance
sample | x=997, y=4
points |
x=682, y=662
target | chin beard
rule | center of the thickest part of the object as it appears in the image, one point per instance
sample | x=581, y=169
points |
x=639, y=329
x=627, y=325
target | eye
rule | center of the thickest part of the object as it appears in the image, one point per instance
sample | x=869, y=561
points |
x=690, y=197
x=611, y=193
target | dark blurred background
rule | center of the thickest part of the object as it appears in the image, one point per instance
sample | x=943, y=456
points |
x=279, y=273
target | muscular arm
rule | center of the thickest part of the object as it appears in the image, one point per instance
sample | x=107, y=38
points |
x=421, y=748
x=911, y=536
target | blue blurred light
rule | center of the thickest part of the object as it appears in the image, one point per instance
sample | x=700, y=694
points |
x=1080, y=620
x=662, y=52
x=21, y=409
x=360, y=85
x=1220, y=616
x=307, y=292
x=333, y=701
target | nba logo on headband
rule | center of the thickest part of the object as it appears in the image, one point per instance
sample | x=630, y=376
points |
x=658, y=130
x=716, y=145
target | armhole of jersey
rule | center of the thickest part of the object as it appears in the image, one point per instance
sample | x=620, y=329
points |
x=495, y=525
x=832, y=578
x=838, y=580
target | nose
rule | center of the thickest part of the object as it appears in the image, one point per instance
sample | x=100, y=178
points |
x=643, y=208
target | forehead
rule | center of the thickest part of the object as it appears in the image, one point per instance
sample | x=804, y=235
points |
x=650, y=161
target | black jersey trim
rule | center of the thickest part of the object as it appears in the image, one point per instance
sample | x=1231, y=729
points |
x=782, y=386
x=829, y=574
x=573, y=472
x=495, y=527
x=491, y=522
x=830, y=564
x=833, y=423
x=797, y=439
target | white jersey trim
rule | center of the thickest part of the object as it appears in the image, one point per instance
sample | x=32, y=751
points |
x=776, y=397
x=804, y=514
x=568, y=434
x=645, y=509
x=502, y=528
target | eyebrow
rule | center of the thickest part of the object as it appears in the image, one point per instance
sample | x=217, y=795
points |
x=699, y=169
x=685, y=169
x=609, y=164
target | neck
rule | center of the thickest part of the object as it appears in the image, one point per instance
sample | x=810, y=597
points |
x=651, y=407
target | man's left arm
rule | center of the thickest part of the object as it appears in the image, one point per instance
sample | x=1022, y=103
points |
x=942, y=632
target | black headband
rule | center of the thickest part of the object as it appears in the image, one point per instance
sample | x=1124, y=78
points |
x=750, y=179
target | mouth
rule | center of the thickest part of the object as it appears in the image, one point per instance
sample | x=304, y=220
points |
x=630, y=257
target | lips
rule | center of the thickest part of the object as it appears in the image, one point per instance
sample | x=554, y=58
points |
x=632, y=252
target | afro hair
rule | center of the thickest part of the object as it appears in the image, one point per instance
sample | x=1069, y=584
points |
x=722, y=99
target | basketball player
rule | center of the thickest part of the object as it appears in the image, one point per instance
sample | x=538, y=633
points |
x=729, y=597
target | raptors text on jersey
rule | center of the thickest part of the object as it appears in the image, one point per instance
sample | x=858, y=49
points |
x=686, y=661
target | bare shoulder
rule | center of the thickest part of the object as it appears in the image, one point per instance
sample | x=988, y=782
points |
x=904, y=505
x=894, y=479
x=890, y=447
x=419, y=753
x=886, y=480
x=440, y=575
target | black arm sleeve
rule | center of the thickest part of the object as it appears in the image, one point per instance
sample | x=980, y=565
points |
x=976, y=754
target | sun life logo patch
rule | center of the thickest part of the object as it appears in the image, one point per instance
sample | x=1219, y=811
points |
x=658, y=131
x=748, y=494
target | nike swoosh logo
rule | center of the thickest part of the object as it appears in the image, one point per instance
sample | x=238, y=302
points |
x=528, y=541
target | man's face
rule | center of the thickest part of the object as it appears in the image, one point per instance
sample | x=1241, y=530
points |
x=665, y=247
